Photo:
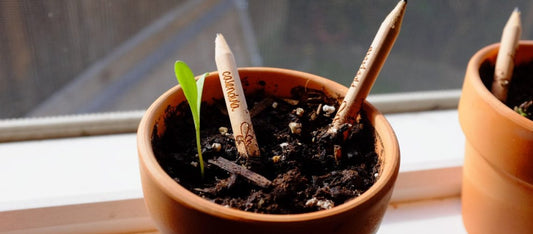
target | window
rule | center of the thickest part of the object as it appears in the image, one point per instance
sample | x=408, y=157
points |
x=71, y=57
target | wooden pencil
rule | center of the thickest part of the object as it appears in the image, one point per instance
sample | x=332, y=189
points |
x=240, y=120
x=369, y=69
x=503, y=72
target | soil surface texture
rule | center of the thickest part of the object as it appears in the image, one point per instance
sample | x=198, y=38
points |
x=520, y=94
x=308, y=170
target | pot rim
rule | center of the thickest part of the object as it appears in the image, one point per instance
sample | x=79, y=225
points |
x=185, y=197
x=475, y=62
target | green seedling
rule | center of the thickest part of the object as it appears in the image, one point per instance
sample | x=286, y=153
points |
x=193, y=93
x=525, y=109
x=520, y=111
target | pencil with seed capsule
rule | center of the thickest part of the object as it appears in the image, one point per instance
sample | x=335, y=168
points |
x=369, y=69
x=503, y=71
x=240, y=120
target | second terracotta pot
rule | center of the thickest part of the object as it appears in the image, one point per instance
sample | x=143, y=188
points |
x=497, y=190
x=174, y=209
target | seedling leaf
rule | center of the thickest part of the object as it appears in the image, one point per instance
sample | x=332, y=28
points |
x=192, y=90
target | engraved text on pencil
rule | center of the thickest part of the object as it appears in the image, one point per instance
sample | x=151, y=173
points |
x=229, y=85
x=362, y=68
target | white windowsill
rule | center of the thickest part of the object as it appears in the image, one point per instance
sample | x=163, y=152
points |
x=73, y=177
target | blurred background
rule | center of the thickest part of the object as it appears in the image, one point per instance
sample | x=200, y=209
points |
x=62, y=57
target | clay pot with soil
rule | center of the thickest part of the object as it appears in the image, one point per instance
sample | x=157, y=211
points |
x=497, y=190
x=177, y=206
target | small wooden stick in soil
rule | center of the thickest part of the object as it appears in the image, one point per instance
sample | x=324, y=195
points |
x=369, y=69
x=234, y=168
x=240, y=120
x=503, y=71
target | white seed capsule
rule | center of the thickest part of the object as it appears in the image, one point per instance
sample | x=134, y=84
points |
x=274, y=105
x=299, y=112
x=311, y=202
x=296, y=128
x=216, y=146
x=223, y=130
x=328, y=110
x=325, y=204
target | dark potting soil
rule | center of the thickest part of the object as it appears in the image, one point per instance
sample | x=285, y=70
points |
x=304, y=173
x=520, y=94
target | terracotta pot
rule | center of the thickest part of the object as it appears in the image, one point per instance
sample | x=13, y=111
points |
x=174, y=209
x=497, y=192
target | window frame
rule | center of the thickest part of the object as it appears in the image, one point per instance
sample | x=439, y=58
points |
x=23, y=129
